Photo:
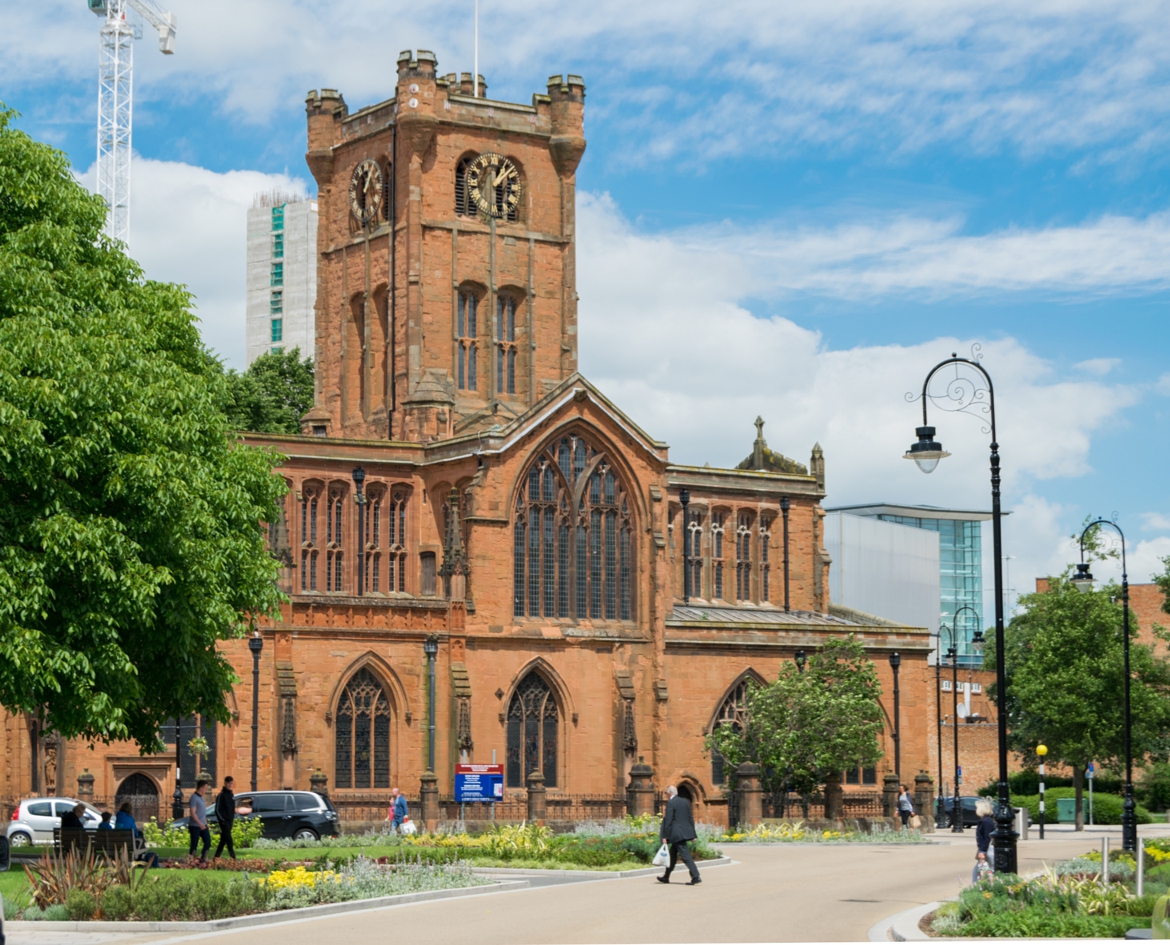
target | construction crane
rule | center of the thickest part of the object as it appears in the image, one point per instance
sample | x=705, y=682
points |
x=115, y=99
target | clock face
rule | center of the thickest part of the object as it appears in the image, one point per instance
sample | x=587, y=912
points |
x=365, y=191
x=493, y=182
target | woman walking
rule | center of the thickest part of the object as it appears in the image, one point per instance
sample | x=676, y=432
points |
x=983, y=831
x=905, y=806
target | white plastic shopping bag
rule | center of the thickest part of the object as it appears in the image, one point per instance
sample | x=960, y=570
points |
x=662, y=857
x=408, y=826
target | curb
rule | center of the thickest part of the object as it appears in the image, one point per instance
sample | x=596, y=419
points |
x=588, y=874
x=268, y=918
x=903, y=926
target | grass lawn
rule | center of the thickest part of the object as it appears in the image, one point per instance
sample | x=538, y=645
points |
x=13, y=885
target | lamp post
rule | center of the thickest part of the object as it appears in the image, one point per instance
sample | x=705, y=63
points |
x=978, y=393
x=1041, y=751
x=177, y=797
x=255, y=644
x=895, y=662
x=800, y=659
x=684, y=498
x=431, y=648
x=359, y=477
x=784, y=505
x=953, y=656
x=1084, y=583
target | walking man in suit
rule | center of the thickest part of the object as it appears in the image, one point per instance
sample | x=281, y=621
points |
x=225, y=816
x=678, y=829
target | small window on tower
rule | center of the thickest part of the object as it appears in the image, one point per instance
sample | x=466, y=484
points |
x=278, y=218
x=277, y=329
x=277, y=274
x=276, y=303
x=466, y=333
x=278, y=246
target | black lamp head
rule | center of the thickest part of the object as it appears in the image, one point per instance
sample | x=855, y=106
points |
x=431, y=645
x=977, y=642
x=895, y=660
x=1083, y=579
x=926, y=452
x=684, y=497
x=256, y=642
x=359, y=475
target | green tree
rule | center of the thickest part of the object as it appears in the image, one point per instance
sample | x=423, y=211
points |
x=131, y=521
x=273, y=394
x=806, y=727
x=1064, y=659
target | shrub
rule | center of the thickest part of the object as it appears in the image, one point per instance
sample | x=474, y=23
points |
x=53, y=913
x=117, y=903
x=1154, y=789
x=1106, y=807
x=81, y=905
x=194, y=896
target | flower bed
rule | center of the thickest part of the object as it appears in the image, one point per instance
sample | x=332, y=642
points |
x=1068, y=900
x=798, y=832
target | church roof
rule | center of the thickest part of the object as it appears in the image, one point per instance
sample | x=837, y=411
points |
x=767, y=460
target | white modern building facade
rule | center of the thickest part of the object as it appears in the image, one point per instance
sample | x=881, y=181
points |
x=282, y=275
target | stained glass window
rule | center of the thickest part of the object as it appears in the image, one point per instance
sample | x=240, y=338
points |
x=732, y=712
x=573, y=545
x=532, y=732
x=362, y=734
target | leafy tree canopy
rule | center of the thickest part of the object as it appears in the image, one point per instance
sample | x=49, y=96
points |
x=273, y=394
x=131, y=522
x=806, y=726
x=1065, y=665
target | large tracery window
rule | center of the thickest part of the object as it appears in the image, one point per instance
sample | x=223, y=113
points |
x=363, y=734
x=573, y=544
x=732, y=712
x=533, y=725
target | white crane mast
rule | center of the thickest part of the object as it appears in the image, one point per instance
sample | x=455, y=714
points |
x=115, y=100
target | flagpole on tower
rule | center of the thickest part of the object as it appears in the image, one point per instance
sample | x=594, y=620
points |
x=476, y=64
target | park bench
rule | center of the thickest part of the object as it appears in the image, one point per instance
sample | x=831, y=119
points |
x=107, y=843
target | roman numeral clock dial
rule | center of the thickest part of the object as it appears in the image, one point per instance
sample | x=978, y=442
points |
x=493, y=183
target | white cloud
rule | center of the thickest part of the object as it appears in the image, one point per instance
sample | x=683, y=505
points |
x=1155, y=521
x=1098, y=367
x=189, y=225
x=1163, y=385
x=683, y=77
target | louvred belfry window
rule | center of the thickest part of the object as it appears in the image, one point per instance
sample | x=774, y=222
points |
x=573, y=542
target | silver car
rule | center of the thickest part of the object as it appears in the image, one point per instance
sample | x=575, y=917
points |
x=36, y=817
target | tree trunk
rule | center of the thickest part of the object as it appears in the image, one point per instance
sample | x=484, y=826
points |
x=1079, y=787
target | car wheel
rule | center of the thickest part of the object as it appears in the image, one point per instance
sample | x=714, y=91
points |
x=305, y=834
x=19, y=839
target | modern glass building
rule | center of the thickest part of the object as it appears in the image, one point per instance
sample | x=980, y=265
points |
x=960, y=549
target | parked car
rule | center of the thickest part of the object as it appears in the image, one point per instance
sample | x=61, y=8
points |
x=35, y=818
x=301, y=815
x=944, y=805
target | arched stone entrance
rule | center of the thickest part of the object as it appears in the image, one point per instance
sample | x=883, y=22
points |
x=142, y=794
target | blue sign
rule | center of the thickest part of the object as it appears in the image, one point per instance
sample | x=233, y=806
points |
x=479, y=783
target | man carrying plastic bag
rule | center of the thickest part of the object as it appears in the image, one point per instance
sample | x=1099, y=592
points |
x=678, y=829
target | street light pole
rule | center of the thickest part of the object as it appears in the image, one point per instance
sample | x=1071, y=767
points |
x=1084, y=583
x=953, y=655
x=1041, y=751
x=938, y=713
x=431, y=648
x=978, y=393
x=255, y=644
x=895, y=662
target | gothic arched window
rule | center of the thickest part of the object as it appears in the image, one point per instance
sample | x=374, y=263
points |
x=310, y=494
x=732, y=712
x=573, y=542
x=533, y=726
x=385, y=551
x=505, y=344
x=765, y=560
x=466, y=333
x=362, y=734
x=716, y=556
x=334, y=509
x=463, y=205
x=743, y=558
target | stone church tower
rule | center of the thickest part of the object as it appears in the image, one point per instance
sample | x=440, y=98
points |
x=447, y=297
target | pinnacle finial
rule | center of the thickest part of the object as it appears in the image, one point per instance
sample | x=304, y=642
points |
x=759, y=428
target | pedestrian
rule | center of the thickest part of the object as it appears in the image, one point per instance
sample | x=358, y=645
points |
x=678, y=829
x=983, y=831
x=397, y=813
x=124, y=820
x=71, y=819
x=197, y=822
x=105, y=824
x=225, y=816
x=905, y=806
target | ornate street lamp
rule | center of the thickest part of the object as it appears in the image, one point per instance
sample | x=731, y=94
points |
x=255, y=644
x=431, y=648
x=1084, y=583
x=971, y=390
x=895, y=662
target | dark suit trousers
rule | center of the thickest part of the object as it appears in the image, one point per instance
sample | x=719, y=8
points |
x=680, y=850
x=225, y=836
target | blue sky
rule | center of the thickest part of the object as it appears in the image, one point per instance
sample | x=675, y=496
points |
x=787, y=209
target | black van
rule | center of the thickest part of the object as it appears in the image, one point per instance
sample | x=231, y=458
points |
x=301, y=815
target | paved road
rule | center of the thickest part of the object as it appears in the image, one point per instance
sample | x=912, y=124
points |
x=778, y=893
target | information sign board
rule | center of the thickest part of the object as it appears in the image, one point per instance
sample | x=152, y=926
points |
x=478, y=783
